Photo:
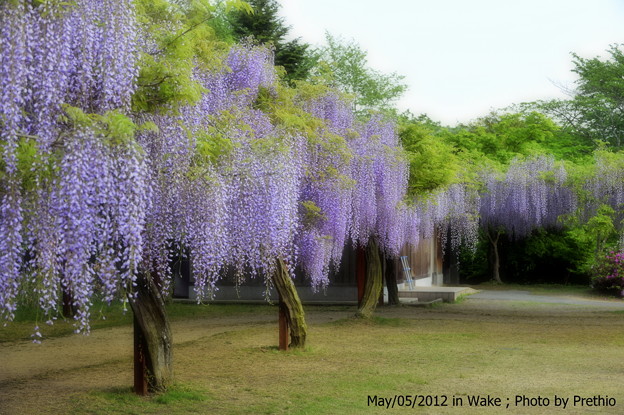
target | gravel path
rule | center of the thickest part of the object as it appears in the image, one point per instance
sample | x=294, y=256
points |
x=527, y=296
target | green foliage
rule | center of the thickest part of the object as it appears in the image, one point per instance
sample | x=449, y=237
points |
x=563, y=256
x=32, y=168
x=474, y=266
x=601, y=229
x=595, y=113
x=311, y=214
x=211, y=144
x=432, y=162
x=503, y=137
x=115, y=127
x=165, y=77
x=343, y=65
x=600, y=96
x=284, y=105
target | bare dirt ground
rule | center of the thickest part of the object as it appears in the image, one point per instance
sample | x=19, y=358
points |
x=43, y=378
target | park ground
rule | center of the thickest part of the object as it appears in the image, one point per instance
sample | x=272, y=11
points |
x=537, y=344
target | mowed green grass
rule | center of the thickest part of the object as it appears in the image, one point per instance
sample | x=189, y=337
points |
x=113, y=315
x=450, y=351
x=436, y=352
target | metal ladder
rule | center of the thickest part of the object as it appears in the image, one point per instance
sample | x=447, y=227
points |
x=408, y=272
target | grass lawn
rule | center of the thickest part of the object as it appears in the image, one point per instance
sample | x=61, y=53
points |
x=226, y=362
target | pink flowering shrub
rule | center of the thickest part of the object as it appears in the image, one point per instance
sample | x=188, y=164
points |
x=609, y=274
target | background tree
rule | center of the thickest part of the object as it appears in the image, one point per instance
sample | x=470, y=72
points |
x=432, y=163
x=532, y=195
x=595, y=111
x=266, y=27
x=343, y=65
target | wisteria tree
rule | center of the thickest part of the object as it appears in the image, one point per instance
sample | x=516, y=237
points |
x=76, y=188
x=264, y=172
x=532, y=194
x=126, y=142
x=380, y=170
x=603, y=201
x=95, y=199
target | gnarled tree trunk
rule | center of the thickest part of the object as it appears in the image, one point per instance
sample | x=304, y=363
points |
x=290, y=305
x=152, y=339
x=374, y=281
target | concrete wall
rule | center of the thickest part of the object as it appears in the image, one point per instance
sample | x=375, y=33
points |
x=425, y=261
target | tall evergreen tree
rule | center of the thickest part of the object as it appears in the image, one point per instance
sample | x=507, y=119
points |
x=265, y=26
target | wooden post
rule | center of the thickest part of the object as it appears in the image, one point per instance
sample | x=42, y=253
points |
x=360, y=272
x=68, y=308
x=140, y=366
x=391, y=281
x=283, y=326
x=382, y=257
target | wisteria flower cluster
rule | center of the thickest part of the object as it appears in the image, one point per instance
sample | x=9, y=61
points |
x=326, y=191
x=532, y=194
x=607, y=187
x=72, y=210
x=229, y=202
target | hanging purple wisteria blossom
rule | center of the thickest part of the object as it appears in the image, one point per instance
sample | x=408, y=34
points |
x=381, y=173
x=74, y=208
x=532, y=194
x=327, y=186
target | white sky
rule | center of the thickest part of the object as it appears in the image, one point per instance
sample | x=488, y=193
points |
x=463, y=58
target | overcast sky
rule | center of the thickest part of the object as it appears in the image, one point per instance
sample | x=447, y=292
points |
x=462, y=58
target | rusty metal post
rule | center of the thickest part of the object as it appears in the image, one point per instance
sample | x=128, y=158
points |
x=140, y=366
x=283, y=327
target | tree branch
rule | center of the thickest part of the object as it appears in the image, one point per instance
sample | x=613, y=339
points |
x=171, y=42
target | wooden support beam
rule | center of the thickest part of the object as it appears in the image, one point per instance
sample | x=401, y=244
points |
x=360, y=272
x=140, y=365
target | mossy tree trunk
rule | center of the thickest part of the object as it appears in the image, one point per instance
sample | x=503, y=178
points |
x=290, y=305
x=374, y=281
x=153, y=371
